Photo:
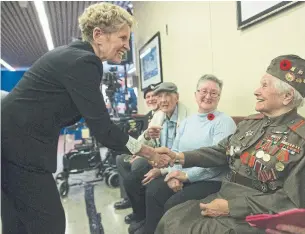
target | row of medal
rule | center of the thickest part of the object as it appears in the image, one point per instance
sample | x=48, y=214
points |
x=268, y=149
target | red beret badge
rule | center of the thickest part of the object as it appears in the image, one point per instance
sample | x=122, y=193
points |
x=285, y=65
x=211, y=116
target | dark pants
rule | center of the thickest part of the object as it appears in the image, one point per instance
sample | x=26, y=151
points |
x=160, y=198
x=30, y=202
x=132, y=175
x=124, y=168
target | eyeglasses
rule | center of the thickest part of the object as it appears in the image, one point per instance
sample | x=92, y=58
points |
x=204, y=92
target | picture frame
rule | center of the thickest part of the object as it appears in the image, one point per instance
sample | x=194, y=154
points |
x=250, y=13
x=150, y=62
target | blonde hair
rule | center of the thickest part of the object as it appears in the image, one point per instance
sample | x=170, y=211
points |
x=109, y=17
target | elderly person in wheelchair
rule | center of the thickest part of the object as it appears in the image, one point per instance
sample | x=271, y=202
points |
x=266, y=156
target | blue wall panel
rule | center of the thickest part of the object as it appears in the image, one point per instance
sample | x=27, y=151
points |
x=10, y=78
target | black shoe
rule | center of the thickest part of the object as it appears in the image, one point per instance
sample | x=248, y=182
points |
x=123, y=204
x=129, y=218
x=135, y=226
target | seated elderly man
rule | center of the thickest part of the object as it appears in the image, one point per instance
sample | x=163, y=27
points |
x=170, y=113
x=125, y=167
x=205, y=128
x=266, y=156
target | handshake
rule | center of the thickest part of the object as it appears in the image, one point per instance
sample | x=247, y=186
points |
x=162, y=157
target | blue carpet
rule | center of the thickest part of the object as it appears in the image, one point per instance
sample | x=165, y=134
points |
x=94, y=218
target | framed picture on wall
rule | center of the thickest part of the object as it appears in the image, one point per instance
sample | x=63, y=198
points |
x=151, y=62
x=252, y=12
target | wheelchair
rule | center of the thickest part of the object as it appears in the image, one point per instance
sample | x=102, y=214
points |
x=86, y=157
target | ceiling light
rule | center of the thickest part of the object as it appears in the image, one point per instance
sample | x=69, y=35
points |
x=41, y=11
x=5, y=64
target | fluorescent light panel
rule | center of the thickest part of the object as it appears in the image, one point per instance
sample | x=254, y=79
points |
x=5, y=64
x=41, y=11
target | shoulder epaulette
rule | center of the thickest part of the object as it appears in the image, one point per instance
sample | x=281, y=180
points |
x=298, y=127
x=255, y=116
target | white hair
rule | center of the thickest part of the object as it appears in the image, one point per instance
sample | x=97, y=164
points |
x=283, y=88
x=209, y=77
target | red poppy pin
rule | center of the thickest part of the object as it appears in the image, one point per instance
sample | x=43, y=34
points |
x=285, y=65
x=211, y=116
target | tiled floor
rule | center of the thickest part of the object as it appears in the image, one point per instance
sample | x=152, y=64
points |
x=76, y=216
x=75, y=206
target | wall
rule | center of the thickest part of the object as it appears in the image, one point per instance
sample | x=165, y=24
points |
x=9, y=79
x=203, y=38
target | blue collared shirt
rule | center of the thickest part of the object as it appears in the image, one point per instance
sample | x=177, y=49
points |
x=169, y=130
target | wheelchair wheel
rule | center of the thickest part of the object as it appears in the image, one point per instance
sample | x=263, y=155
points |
x=107, y=175
x=113, y=180
x=64, y=189
x=59, y=177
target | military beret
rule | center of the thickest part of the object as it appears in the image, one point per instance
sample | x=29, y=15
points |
x=148, y=89
x=290, y=69
x=166, y=87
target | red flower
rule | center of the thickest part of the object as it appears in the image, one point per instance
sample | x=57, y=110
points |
x=285, y=65
x=211, y=116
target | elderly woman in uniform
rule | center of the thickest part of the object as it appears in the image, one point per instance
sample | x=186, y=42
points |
x=266, y=156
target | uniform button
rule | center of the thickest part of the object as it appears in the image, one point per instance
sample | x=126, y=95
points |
x=262, y=131
x=244, y=144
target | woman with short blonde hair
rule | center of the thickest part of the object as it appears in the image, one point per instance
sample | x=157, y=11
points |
x=61, y=87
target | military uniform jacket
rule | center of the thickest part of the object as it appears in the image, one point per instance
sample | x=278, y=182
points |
x=267, y=161
x=282, y=170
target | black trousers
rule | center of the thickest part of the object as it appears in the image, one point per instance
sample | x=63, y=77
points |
x=132, y=175
x=30, y=202
x=124, y=168
x=160, y=198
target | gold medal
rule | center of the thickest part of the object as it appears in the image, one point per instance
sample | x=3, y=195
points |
x=259, y=154
x=299, y=80
x=279, y=166
x=290, y=76
x=266, y=157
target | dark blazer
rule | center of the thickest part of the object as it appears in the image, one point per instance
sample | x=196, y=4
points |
x=148, y=118
x=60, y=88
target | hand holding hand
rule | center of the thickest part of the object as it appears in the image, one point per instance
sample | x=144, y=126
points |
x=154, y=158
x=179, y=175
x=152, y=174
x=286, y=229
x=175, y=184
x=160, y=160
x=165, y=151
x=217, y=207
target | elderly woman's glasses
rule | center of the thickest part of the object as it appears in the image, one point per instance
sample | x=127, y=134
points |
x=204, y=92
